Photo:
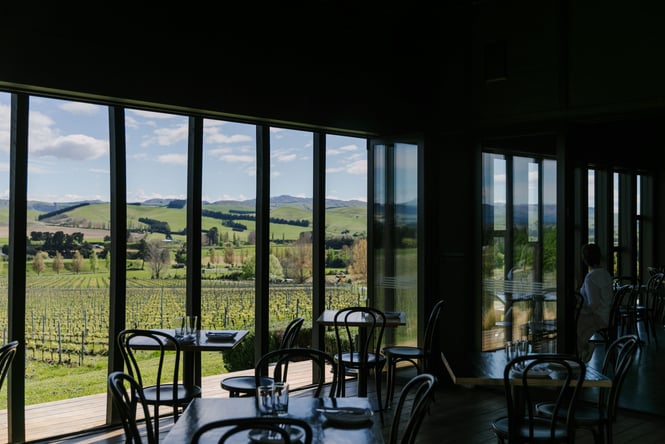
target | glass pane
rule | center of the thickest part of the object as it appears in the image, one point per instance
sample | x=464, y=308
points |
x=5, y=122
x=591, y=189
x=156, y=222
x=346, y=221
x=67, y=294
x=493, y=250
x=396, y=242
x=228, y=239
x=523, y=305
x=291, y=191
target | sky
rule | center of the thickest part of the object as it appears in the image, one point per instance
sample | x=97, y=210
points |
x=68, y=156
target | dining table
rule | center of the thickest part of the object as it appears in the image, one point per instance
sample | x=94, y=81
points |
x=367, y=429
x=200, y=341
x=393, y=320
x=487, y=368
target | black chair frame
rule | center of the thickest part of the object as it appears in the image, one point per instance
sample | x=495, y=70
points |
x=245, y=385
x=281, y=359
x=165, y=389
x=419, y=357
x=415, y=398
x=522, y=424
x=127, y=394
x=273, y=424
x=7, y=353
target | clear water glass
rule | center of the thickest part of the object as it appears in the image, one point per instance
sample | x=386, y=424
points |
x=265, y=400
x=281, y=398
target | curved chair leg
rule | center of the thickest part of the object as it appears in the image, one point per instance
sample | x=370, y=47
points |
x=390, y=382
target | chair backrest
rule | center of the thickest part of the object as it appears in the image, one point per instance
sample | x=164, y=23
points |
x=522, y=397
x=414, y=401
x=127, y=394
x=618, y=359
x=346, y=333
x=620, y=281
x=273, y=426
x=321, y=361
x=430, y=330
x=291, y=333
x=167, y=371
x=653, y=292
x=7, y=353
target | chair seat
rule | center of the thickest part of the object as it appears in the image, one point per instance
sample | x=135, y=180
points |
x=585, y=413
x=243, y=384
x=405, y=352
x=166, y=394
x=541, y=430
x=354, y=360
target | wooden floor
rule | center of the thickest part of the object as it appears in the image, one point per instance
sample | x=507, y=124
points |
x=459, y=415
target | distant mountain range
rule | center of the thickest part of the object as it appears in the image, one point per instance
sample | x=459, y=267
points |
x=46, y=207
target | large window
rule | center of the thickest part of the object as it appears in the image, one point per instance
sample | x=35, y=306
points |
x=519, y=251
x=69, y=265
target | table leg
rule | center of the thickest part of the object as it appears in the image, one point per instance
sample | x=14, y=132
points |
x=362, y=372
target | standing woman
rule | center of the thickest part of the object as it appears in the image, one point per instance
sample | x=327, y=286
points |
x=598, y=293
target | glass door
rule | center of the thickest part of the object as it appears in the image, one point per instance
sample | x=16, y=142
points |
x=395, y=233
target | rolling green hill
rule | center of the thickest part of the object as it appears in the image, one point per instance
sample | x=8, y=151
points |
x=341, y=219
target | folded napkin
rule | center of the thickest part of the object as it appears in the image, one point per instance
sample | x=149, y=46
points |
x=221, y=335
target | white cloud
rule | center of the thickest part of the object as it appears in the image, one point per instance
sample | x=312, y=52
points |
x=341, y=150
x=71, y=147
x=216, y=137
x=80, y=108
x=170, y=136
x=151, y=114
x=357, y=167
x=286, y=157
x=141, y=195
x=174, y=159
x=237, y=158
x=5, y=113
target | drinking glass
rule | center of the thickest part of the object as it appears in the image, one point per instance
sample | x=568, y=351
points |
x=265, y=400
x=190, y=325
x=511, y=351
x=179, y=326
x=281, y=398
x=523, y=347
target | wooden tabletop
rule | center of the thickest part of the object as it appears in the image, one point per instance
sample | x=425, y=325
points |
x=486, y=368
x=199, y=343
x=393, y=319
x=204, y=410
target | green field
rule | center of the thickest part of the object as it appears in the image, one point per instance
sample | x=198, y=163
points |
x=67, y=313
x=67, y=324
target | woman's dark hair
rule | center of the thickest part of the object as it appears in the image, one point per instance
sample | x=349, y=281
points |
x=591, y=254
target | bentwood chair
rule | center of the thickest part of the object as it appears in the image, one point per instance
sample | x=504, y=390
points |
x=414, y=401
x=522, y=424
x=7, y=353
x=161, y=387
x=648, y=306
x=359, y=346
x=245, y=385
x=599, y=415
x=283, y=430
x=127, y=394
x=279, y=360
x=417, y=356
